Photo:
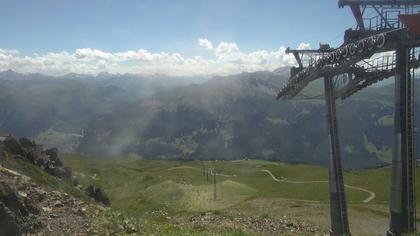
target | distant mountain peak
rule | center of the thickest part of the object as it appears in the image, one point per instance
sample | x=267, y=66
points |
x=282, y=70
x=8, y=72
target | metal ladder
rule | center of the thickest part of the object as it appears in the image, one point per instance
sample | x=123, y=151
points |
x=339, y=218
x=402, y=207
x=411, y=161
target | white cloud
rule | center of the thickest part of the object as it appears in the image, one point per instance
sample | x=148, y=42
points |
x=9, y=51
x=205, y=43
x=226, y=58
x=303, y=46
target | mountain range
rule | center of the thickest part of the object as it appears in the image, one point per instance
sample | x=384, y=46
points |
x=163, y=117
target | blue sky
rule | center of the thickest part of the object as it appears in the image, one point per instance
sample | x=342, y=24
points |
x=173, y=26
x=43, y=26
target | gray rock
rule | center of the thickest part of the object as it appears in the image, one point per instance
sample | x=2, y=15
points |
x=8, y=221
x=27, y=143
x=98, y=195
x=13, y=146
x=12, y=200
x=52, y=154
x=58, y=204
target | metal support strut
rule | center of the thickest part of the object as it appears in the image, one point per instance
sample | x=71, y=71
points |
x=339, y=220
x=214, y=185
x=402, y=207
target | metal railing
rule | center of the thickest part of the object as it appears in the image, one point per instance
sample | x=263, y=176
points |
x=387, y=17
x=380, y=63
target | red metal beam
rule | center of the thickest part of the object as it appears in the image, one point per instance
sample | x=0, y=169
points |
x=342, y=3
x=412, y=21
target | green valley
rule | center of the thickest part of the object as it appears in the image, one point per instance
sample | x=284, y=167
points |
x=172, y=193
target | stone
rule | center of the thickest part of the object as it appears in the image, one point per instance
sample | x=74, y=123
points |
x=27, y=143
x=46, y=209
x=79, y=211
x=98, y=195
x=58, y=204
x=22, y=194
x=37, y=194
x=60, y=172
x=12, y=200
x=52, y=154
x=31, y=157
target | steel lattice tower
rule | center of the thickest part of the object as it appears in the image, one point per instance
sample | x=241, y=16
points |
x=363, y=59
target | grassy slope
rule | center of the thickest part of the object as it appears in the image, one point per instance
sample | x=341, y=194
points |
x=142, y=187
x=108, y=221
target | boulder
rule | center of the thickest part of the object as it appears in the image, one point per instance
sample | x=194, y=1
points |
x=98, y=195
x=55, y=171
x=13, y=146
x=27, y=143
x=8, y=221
x=60, y=172
x=31, y=157
x=52, y=154
x=42, y=161
x=12, y=200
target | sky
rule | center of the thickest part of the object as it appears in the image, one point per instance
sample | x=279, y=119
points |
x=174, y=37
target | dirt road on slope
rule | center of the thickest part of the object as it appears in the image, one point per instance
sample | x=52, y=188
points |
x=372, y=195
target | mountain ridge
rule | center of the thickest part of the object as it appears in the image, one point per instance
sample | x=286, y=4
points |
x=237, y=117
x=225, y=117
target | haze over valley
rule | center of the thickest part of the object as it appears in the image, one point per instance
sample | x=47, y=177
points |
x=163, y=117
x=209, y=118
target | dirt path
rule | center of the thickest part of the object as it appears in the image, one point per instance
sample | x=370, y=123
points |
x=372, y=195
x=184, y=167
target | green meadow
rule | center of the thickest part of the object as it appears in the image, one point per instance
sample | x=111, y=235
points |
x=161, y=191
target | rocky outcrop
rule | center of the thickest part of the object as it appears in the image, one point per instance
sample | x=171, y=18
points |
x=14, y=202
x=34, y=153
x=27, y=143
x=98, y=195
x=53, y=212
x=8, y=221
x=16, y=207
x=13, y=146
x=52, y=154
x=28, y=209
x=60, y=172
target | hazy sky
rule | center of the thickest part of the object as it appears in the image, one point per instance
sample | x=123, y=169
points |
x=180, y=37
